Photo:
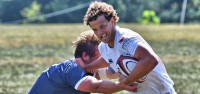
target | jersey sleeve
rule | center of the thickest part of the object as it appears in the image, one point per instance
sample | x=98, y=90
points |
x=80, y=81
x=111, y=69
x=75, y=76
x=129, y=44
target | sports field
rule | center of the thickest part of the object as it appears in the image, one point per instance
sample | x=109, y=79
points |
x=27, y=50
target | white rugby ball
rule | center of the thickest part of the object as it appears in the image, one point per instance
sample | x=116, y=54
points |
x=126, y=64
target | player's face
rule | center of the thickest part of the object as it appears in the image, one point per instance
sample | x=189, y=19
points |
x=88, y=59
x=97, y=55
x=103, y=29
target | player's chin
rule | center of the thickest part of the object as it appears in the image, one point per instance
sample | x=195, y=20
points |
x=105, y=41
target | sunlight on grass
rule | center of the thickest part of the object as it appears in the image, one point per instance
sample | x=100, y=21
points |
x=16, y=36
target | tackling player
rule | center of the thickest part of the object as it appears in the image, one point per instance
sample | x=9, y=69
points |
x=70, y=78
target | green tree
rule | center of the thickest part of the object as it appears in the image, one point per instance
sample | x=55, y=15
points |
x=193, y=11
x=149, y=16
x=168, y=11
x=10, y=9
x=32, y=12
x=72, y=17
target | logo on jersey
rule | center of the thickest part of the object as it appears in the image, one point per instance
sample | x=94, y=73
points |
x=110, y=61
x=121, y=39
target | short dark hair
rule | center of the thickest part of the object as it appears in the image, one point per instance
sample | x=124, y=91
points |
x=86, y=42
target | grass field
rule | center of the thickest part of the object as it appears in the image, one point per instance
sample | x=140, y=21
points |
x=27, y=50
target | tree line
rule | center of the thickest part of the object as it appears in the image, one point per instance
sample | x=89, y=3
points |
x=129, y=11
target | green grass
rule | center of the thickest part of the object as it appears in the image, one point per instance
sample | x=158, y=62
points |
x=27, y=50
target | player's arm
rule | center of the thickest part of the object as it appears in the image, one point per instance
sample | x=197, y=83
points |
x=147, y=62
x=96, y=64
x=111, y=75
x=91, y=84
x=105, y=73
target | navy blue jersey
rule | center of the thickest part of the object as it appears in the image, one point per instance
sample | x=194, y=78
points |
x=63, y=78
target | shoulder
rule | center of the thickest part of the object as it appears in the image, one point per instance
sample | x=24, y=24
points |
x=124, y=34
x=127, y=38
x=73, y=72
x=70, y=67
x=102, y=46
x=123, y=30
x=127, y=33
x=69, y=63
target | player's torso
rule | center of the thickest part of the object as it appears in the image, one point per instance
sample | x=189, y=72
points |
x=111, y=55
x=155, y=79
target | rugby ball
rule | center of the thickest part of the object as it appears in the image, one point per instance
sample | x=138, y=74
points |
x=126, y=64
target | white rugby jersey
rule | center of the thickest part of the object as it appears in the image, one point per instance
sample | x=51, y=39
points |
x=126, y=43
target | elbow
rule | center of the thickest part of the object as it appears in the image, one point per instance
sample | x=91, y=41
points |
x=94, y=89
x=99, y=89
x=154, y=62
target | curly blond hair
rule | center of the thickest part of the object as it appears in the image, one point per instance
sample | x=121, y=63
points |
x=86, y=42
x=97, y=9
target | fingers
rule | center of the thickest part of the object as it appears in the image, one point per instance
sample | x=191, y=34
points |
x=140, y=81
x=131, y=87
x=134, y=87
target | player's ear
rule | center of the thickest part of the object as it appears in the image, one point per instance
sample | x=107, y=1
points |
x=85, y=57
x=113, y=21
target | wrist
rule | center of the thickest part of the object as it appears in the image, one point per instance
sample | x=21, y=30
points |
x=126, y=81
x=119, y=85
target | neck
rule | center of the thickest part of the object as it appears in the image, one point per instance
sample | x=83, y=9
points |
x=111, y=44
x=112, y=39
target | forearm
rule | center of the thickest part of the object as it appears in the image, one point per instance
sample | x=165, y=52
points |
x=104, y=73
x=108, y=87
x=96, y=64
x=91, y=84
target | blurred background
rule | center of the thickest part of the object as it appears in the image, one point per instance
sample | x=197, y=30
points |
x=72, y=11
x=34, y=34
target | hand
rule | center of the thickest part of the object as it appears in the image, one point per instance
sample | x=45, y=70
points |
x=122, y=79
x=132, y=87
x=140, y=81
